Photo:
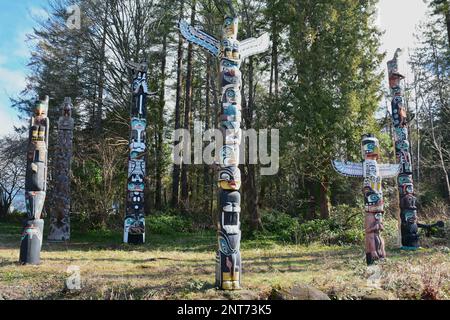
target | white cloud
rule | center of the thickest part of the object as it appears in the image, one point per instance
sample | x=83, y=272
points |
x=7, y=121
x=22, y=48
x=39, y=13
x=11, y=81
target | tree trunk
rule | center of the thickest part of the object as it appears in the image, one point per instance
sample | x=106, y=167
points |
x=250, y=185
x=176, y=167
x=447, y=20
x=251, y=198
x=275, y=63
x=187, y=117
x=101, y=79
x=160, y=133
x=206, y=169
x=312, y=203
x=324, y=200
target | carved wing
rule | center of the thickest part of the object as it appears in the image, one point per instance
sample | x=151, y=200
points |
x=200, y=38
x=349, y=169
x=252, y=46
x=389, y=170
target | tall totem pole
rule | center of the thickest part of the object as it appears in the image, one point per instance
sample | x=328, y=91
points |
x=373, y=173
x=134, y=225
x=60, y=214
x=408, y=209
x=231, y=53
x=35, y=185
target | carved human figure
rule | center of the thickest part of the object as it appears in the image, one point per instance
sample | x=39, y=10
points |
x=60, y=209
x=35, y=184
x=372, y=173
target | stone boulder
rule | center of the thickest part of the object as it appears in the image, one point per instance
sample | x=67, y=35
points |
x=298, y=292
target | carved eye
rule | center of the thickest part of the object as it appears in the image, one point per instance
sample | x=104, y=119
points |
x=370, y=147
x=373, y=198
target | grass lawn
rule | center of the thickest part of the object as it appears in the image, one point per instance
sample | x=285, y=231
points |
x=182, y=267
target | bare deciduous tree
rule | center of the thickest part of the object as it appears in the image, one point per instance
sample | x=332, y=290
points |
x=12, y=171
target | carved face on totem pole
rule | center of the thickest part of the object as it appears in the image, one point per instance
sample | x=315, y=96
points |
x=230, y=178
x=41, y=109
x=230, y=27
x=138, y=137
x=66, y=108
x=231, y=96
x=370, y=147
x=231, y=112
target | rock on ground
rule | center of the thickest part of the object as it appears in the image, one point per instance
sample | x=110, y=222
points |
x=298, y=292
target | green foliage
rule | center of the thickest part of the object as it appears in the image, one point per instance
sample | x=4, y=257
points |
x=279, y=226
x=172, y=223
x=167, y=225
x=346, y=226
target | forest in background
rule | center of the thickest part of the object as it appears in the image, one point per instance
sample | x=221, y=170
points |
x=320, y=85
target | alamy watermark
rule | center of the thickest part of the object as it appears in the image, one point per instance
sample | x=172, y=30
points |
x=375, y=275
x=74, y=20
x=228, y=147
x=73, y=281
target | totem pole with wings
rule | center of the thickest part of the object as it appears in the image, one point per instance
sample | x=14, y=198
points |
x=231, y=53
x=372, y=173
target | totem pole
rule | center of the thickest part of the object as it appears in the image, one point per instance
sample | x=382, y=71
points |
x=231, y=53
x=373, y=173
x=408, y=209
x=60, y=214
x=35, y=185
x=134, y=225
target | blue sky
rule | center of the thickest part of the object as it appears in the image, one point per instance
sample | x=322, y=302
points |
x=397, y=17
x=16, y=20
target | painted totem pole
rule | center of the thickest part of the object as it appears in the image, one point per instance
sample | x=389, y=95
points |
x=373, y=173
x=231, y=53
x=408, y=209
x=134, y=225
x=60, y=215
x=35, y=185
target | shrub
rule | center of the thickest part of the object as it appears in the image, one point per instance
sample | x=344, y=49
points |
x=346, y=226
x=435, y=208
x=168, y=224
x=279, y=226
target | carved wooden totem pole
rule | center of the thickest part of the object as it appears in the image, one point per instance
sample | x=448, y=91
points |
x=134, y=224
x=231, y=53
x=408, y=209
x=372, y=172
x=35, y=185
x=60, y=211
